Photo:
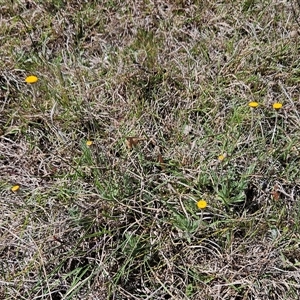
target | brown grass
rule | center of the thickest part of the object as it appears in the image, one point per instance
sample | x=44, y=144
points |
x=162, y=89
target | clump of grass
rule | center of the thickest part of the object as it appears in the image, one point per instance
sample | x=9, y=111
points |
x=134, y=112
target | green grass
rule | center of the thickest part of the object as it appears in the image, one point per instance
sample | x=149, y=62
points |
x=108, y=221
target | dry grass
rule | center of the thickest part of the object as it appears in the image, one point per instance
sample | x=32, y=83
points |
x=162, y=89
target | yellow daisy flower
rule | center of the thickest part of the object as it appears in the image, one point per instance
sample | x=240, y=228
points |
x=31, y=79
x=221, y=157
x=253, y=104
x=201, y=204
x=15, y=188
x=277, y=105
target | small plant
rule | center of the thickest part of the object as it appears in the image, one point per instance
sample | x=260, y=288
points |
x=186, y=225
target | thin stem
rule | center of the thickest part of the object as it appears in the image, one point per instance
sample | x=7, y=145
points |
x=275, y=127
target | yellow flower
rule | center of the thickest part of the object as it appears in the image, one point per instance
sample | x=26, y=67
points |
x=89, y=143
x=221, y=157
x=277, y=105
x=201, y=204
x=31, y=79
x=15, y=188
x=253, y=104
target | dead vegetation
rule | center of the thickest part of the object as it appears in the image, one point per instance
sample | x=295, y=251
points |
x=162, y=91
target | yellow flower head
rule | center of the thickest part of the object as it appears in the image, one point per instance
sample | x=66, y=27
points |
x=253, y=104
x=201, y=204
x=89, y=143
x=15, y=188
x=277, y=105
x=31, y=79
x=221, y=157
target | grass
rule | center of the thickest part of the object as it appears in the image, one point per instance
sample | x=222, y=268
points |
x=162, y=92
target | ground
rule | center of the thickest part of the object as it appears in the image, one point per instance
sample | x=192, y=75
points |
x=142, y=109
